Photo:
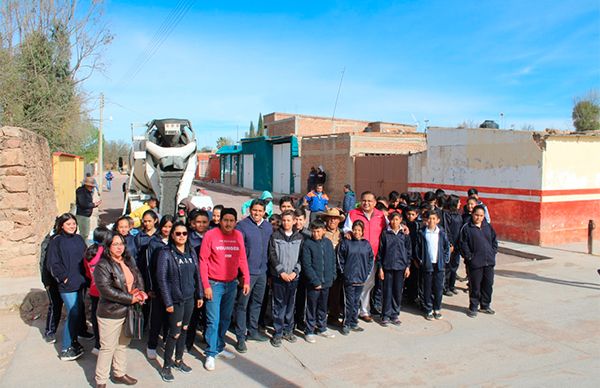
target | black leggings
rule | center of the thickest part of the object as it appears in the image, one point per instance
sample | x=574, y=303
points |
x=179, y=320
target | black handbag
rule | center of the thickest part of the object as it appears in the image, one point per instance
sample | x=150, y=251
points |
x=134, y=322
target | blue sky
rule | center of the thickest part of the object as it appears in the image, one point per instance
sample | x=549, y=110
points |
x=405, y=61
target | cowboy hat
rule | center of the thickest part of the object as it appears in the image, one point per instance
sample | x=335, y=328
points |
x=89, y=181
x=332, y=212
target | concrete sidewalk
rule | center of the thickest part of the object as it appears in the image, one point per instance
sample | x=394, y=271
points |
x=545, y=333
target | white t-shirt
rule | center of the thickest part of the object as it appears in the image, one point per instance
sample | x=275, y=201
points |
x=432, y=237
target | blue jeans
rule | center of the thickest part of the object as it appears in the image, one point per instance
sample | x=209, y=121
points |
x=71, y=302
x=108, y=184
x=218, y=315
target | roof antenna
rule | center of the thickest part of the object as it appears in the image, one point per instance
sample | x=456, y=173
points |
x=338, y=93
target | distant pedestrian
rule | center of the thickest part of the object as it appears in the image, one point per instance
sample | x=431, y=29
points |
x=321, y=176
x=393, y=262
x=434, y=254
x=355, y=260
x=317, y=201
x=65, y=256
x=85, y=203
x=222, y=257
x=109, y=178
x=120, y=285
x=319, y=268
x=479, y=247
x=312, y=179
x=349, y=199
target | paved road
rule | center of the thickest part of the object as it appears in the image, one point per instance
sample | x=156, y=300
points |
x=546, y=333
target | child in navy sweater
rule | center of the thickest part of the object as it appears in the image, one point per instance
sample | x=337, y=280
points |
x=393, y=259
x=433, y=254
x=452, y=223
x=413, y=284
x=355, y=261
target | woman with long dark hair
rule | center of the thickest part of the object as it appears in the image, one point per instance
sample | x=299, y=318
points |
x=64, y=260
x=120, y=285
x=159, y=240
x=178, y=277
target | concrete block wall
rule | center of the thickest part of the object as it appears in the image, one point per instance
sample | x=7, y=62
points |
x=27, y=203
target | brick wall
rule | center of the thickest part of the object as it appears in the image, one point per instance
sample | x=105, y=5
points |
x=27, y=204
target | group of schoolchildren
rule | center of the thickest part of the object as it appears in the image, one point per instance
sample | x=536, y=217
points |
x=312, y=275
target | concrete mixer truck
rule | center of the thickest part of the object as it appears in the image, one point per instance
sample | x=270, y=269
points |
x=163, y=165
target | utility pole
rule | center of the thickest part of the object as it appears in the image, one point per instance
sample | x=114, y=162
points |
x=100, y=146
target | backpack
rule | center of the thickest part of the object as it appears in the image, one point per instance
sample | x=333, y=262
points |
x=46, y=276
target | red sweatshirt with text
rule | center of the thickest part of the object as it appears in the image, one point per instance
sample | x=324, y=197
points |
x=222, y=256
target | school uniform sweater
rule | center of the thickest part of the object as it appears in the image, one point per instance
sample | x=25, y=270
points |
x=479, y=245
x=222, y=256
x=194, y=239
x=154, y=246
x=413, y=229
x=355, y=259
x=395, y=250
x=318, y=262
x=256, y=242
x=423, y=251
x=452, y=223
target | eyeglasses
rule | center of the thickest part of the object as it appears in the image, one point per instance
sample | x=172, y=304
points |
x=117, y=244
x=178, y=234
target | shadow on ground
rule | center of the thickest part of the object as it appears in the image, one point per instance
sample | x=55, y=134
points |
x=531, y=276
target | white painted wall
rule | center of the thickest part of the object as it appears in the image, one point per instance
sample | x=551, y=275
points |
x=572, y=162
x=479, y=157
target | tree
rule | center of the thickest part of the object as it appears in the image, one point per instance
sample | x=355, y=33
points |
x=113, y=150
x=251, y=131
x=223, y=141
x=261, y=126
x=468, y=124
x=586, y=113
x=206, y=149
x=47, y=49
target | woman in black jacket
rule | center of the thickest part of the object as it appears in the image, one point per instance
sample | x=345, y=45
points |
x=65, y=262
x=120, y=285
x=178, y=277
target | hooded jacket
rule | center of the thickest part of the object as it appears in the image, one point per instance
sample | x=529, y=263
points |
x=176, y=286
x=395, y=250
x=355, y=260
x=264, y=196
x=256, y=241
x=285, y=253
x=318, y=262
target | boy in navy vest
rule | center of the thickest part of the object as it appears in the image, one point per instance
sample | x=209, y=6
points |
x=433, y=253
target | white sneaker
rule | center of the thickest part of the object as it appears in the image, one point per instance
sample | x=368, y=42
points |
x=95, y=351
x=310, y=338
x=327, y=334
x=151, y=354
x=209, y=364
x=226, y=355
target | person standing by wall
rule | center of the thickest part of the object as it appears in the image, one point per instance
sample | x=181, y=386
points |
x=85, y=203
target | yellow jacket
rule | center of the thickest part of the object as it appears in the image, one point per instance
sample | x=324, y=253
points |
x=137, y=215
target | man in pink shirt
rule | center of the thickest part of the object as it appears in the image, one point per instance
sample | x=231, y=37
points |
x=222, y=255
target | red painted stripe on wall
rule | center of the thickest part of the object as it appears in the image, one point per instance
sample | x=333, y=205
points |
x=503, y=190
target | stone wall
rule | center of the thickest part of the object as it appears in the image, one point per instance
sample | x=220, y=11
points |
x=27, y=204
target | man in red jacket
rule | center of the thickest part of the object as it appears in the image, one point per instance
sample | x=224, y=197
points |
x=375, y=222
x=222, y=255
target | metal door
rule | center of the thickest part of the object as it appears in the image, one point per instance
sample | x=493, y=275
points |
x=281, y=168
x=248, y=167
x=297, y=170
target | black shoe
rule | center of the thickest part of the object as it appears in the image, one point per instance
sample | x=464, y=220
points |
x=276, y=341
x=385, y=322
x=241, y=346
x=87, y=335
x=448, y=293
x=290, y=337
x=50, y=338
x=454, y=291
x=182, y=367
x=429, y=316
x=70, y=354
x=471, y=313
x=77, y=346
x=257, y=337
x=166, y=374
x=396, y=322
x=488, y=310
x=345, y=330
x=357, y=329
